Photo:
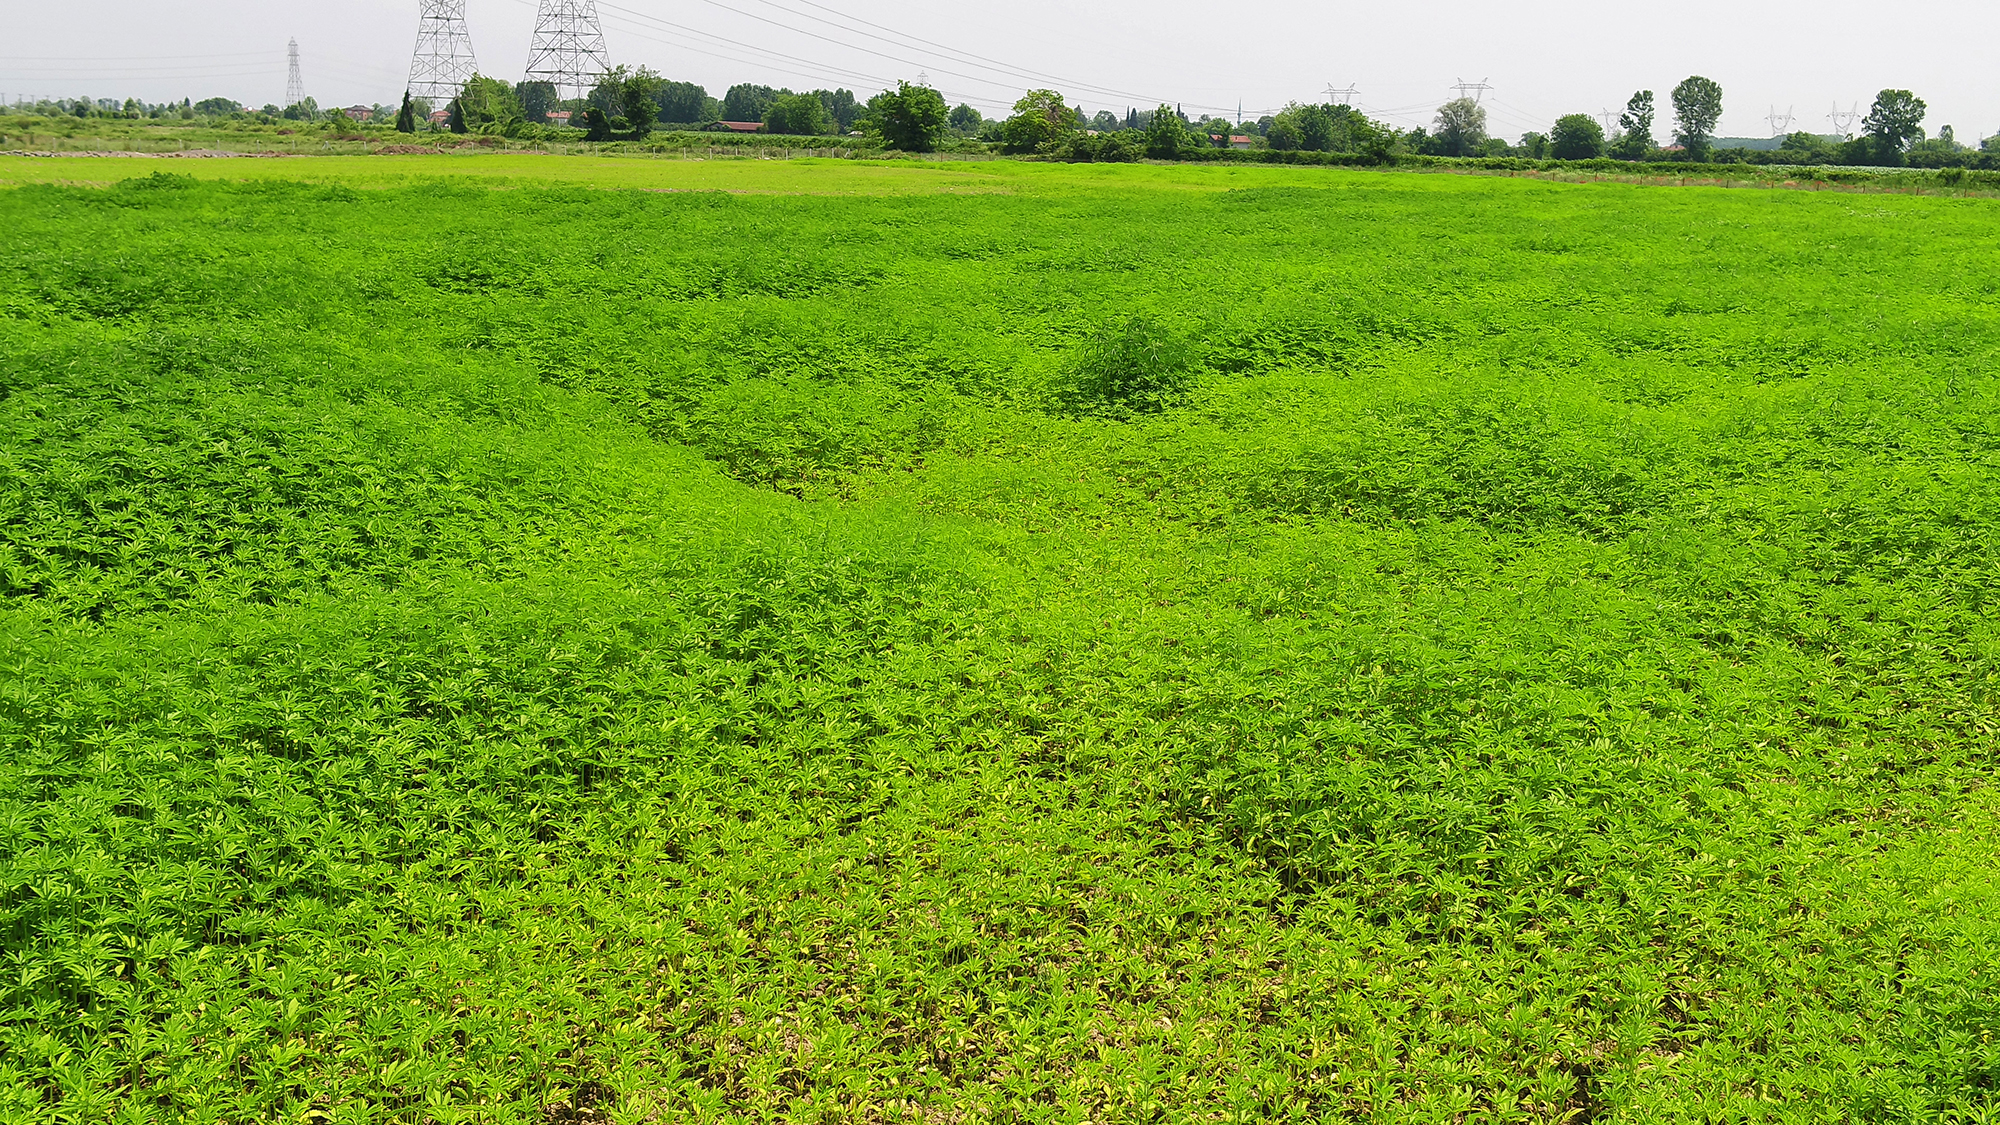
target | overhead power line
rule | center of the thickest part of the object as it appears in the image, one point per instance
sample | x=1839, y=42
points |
x=1006, y=71
x=813, y=69
x=131, y=58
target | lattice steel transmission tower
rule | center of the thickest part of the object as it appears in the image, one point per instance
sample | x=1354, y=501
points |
x=569, y=47
x=1474, y=90
x=443, y=60
x=1844, y=120
x=295, y=83
x=1781, y=123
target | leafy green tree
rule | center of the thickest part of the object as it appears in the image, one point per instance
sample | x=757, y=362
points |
x=1461, y=127
x=1168, y=137
x=1106, y=122
x=1806, y=148
x=841, y=108
x=1896, y=119
x=596, y=124
x=1536, y=145
x=487, y=106
x=1326, y=128
x=1040, y=118
x=1635, y=128
x=1302, y=128
x=802, y=115
x=307, y=110
x=629, y=95
x=683, y=103
x=220, y=107
x=537, y=100
x=406, y=117
x=910, y=118
x=455, y=118
x=1577, y=136
x=1697, y=107
x=747, y=102
x=638, y=99
x=965, y=120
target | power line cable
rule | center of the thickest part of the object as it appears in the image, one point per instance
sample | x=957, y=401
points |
x=1014, y=73
x=800, y=66
x=983, y=62
x=118, y=70
x=816, y=70
x=129, y=58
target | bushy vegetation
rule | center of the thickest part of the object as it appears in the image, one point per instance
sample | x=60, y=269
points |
x=1011, y=641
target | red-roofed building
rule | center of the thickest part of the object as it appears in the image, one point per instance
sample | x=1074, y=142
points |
x=742, y=126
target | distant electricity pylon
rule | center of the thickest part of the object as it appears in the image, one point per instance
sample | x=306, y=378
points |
x=569, y=47
x=1781, y=123
x=1844, y=122
x=1341, y=95
x=295, y=83
x=1609, y=117
x=1476, y=90
x=443, y=60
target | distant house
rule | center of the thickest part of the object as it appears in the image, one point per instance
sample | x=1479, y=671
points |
x=1218, y=141
x=1674, y=148
x=559, y=117
x=1239, y=142
x=440, y=116
x=742, y=126
x=359, y=113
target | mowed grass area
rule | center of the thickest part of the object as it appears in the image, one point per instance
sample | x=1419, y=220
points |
x=803, y=176
x=479, y=647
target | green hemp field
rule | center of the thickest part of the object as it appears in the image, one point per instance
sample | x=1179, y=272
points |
x=562, y=640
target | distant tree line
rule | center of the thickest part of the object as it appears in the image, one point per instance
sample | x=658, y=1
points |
x=630, y=103
x=1892, y=135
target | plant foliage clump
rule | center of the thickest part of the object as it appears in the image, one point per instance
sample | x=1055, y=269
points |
x=910, y=117
x=1139, y=366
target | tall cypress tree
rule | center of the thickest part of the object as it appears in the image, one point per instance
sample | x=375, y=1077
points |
x=406, y=117
x=456, y=122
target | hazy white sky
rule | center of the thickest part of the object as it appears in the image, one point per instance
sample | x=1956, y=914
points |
x=1543, y=60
